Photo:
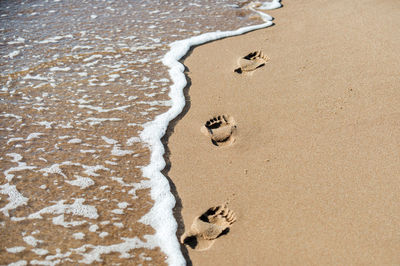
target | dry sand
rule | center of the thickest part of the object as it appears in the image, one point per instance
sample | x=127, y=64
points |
x=314, y=173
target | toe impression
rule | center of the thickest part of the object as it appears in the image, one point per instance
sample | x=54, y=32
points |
x=220, y=129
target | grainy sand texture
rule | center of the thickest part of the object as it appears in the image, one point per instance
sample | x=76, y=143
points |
x=303, y=144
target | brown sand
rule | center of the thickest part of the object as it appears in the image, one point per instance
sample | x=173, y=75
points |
x=314, y=173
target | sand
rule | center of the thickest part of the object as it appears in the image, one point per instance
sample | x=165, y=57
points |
x=313, y=174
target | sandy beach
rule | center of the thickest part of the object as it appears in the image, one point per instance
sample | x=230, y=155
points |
x=310, y=154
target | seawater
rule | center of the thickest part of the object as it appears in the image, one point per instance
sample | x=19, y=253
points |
x=87, y=89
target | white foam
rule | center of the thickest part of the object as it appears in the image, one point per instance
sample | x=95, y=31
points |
x=121, y=181
x=19, y=40
x=137, y=186
x=59, y=220
x=132, y=140
x=14, y=139
x=82, y=182
x=123, y=205
x=79, y=235
x=80, y=47
x=101, y=109
x=13, y=54
x=55, y=39
x=95, y=252
x=52, y=259
x=15, y=249
x=113, y=77
x=108, y=140
x=91, y=170
x=53, y=169
x=160, y=216
x=93, y=57
x=40, y=251
x=93, y=228
x=83, y=74
x=12, y=115
x=103, y=234
x=92, y=64
x=116, y=151
x=110, y=162
x=95, y=121
x=117, y=211
x=269, y=5
x=74, y=141
x=131, y=98
x=30, y=137
x=77, y=208
x=15, y=199
x=88, y=151
x=143, y=257
x=30, y=240
x=19, y=263
x=45, y=123
x=16, y=157
x=34, y=136
x=155, y=103
x=119, y=225
x=60, y=69
x=37, y=77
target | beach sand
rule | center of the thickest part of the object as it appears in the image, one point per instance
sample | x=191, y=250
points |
x=313, y=173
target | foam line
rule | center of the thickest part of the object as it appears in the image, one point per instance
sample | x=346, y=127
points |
x=160, y=217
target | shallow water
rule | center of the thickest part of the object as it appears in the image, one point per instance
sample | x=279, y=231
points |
x=78, y=80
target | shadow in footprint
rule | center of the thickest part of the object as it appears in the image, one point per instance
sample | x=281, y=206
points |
x=251, y=62
x=192, y=242
x=209, y=226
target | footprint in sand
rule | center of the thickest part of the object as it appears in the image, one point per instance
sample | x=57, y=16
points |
x=251, y=62
x=206, y=228
x=220, y=129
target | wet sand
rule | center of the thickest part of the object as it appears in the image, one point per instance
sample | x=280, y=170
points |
x=79, y=80
x=313, y=172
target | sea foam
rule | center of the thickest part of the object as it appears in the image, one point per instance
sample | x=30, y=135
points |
x=160, y=217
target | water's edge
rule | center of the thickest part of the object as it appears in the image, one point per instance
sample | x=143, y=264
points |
x=161, y=217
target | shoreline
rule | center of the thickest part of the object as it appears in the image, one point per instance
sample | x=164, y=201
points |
x=154, y=131
x=302, y=174
x=91, y=157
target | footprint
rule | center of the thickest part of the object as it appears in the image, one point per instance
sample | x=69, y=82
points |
x=206, y=228
x=251, y=62
x=220, y=129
